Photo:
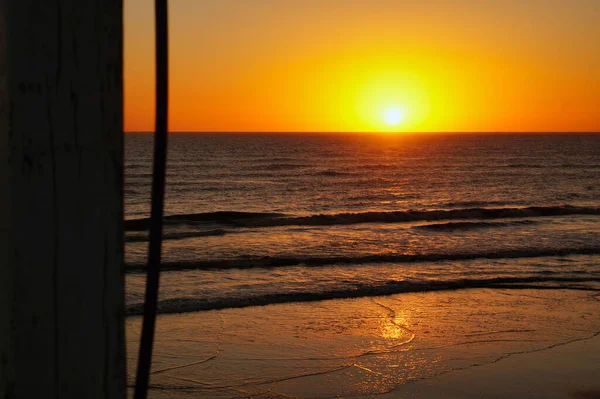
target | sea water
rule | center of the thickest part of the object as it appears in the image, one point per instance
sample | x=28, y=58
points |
x=364, y=227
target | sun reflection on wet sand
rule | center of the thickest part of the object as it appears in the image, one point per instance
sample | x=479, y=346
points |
x=355, y=346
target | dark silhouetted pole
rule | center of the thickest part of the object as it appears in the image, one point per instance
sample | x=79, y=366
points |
x=158, y=195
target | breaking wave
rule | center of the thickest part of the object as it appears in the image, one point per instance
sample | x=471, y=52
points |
x=222, y=217
x=257, y=219
x=462, y=226
x=333, y=173
x=177, y=235
x=184, y=305
x=311, y=261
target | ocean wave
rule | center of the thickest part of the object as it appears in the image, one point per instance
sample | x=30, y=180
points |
x=415, y=216
x=378, y=166
x=136, y=166
x=257, y=219
x=280, y=166
x=222, y=217
x=543, y=166
x=131, y=191
x=315, y=261
x=134, y=184
x=461, y=226
x=184, y=305
x=528, y=166
x=471, y=204
x=177, y=235
x=581, y=166
x=332, y=173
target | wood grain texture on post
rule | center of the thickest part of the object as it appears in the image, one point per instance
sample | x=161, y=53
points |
x=61, y=122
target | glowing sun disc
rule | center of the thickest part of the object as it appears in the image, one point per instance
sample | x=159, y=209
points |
x=393, y=116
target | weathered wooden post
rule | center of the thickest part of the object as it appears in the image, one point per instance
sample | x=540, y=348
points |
x=61, y=199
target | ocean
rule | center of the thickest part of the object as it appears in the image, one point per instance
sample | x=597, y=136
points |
x=338, y=227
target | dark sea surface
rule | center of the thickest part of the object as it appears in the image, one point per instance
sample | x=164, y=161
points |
x=258, y=219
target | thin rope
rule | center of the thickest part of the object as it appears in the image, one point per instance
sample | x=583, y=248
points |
x=158, y=198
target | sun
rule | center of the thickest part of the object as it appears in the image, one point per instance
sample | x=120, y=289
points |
x=393, y=116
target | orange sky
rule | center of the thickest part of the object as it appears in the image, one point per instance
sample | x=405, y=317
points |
x=340, y=65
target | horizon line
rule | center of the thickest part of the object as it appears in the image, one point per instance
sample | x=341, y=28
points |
x=361, y=132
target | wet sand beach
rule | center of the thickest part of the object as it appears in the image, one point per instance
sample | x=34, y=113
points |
x=457, y=344
x=565, y=371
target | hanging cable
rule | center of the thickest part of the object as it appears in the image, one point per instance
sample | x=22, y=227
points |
x=158, y=197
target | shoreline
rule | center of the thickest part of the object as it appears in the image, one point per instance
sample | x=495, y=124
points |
x=419, y=345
